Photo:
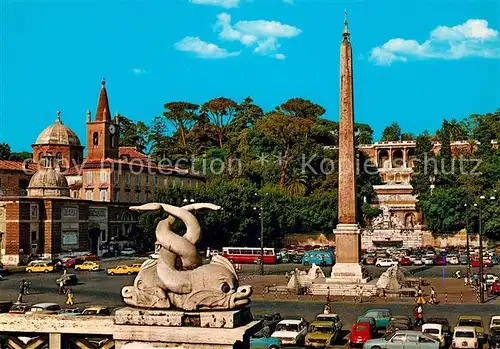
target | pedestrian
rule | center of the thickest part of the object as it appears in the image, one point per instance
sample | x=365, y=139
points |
x=327, y=309
x=420, y=297
x=476, y=279
x=61, y=287
x=22, y=287
x=27, y=286
x=458, y=274
x=65, y=271
x=69, y=297
x=419, y=315
x=432, y=299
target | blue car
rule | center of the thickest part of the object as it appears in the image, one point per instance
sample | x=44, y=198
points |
x=263, y=340
x=318, y=258
x=381, y=316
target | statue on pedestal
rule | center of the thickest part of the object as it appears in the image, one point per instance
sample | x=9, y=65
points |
x=177, y=279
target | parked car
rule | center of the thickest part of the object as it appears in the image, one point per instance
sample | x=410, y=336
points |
x=370, y=321
x=465, y=337
x=418, y=261
x=70, y=312
x=494, y=338
x=120, y=270
x=88, y=266
x=269, y=320
x=44, y=308
x=495, y=287
x=263, y=340
x=360, y=333
x=440, y=260
x=403, y=340
x=490, y=279
x=331, y=317
x=435, y=330
x=40, y=267
x=97, y=310
x=19, y=308
x=397, y=323
x=405, y=261
x=318, y=258
x=321, y=334
x=429, y=261
x=494, y=321
x=385, y=262
x=475, y=263
x=5, y=306
x=128, y=252
x=67, y=279
x=290, y=331
x=472, y=321
x=441, y=321
x=381, y=316
x=453, y=260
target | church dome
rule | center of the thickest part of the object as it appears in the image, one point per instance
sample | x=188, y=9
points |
x=48, y=181
x=59, y=134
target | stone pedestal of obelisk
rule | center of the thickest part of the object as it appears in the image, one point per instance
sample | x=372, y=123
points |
x=347, y=233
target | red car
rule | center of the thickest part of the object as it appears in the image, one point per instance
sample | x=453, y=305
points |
x=70, y=263
x=360, y=333
x=440, y=261
x=495, y=287
x=405, y=261
x=486, y=262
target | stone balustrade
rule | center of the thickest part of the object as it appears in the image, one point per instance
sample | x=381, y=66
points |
x=108, y=332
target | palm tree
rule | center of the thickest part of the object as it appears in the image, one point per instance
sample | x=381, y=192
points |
x=297, y=183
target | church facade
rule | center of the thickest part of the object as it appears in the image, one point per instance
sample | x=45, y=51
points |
x=63, y=201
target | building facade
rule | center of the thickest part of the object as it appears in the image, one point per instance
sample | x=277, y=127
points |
x=63, y=202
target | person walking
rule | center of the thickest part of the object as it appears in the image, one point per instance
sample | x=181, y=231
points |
x=61, y=287
x=327, y=309
x=69, y=297
x=458, y=274
x=419, y=315
x=420, y=297
x=476, y=279
x=27, y=286
x=432, y=299
x=22, y=289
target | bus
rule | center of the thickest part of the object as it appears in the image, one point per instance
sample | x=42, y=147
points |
x=249, y=254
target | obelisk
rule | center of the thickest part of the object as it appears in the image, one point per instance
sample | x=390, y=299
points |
x=347, y=233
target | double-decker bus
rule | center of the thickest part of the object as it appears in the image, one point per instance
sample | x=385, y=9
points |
x=249, y=254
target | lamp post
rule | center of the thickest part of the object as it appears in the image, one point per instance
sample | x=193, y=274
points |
x=481, y=262
x=467, y=237
x=261, y=220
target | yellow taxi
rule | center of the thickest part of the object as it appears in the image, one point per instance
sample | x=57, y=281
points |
x=40, y=268
x=88, y=266
x=120, y=270
x=136, y=268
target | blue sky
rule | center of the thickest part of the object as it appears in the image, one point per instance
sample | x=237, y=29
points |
x=415, y=62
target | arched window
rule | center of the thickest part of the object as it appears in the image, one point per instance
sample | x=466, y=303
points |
x=58, y=158
x=95, y=138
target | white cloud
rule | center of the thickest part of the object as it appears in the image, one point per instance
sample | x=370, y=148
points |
x=220, y=3
x=139, y=71
x=203, y=49
x=470, y=39
x=280, y=56
x=262, y=35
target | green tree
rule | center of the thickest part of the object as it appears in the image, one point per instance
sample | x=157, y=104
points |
x=407, y=137
x=4, y=151
x=21, y=156
x=425, y=166
x=157, y=137
x=182, y=115
x=133, y=134
x=302, y=108
x=391, y=133
x=289, y=133
x=220, y=111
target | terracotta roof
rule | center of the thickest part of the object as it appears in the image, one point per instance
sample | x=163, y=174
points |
x=132, y=153
x=8, y=165
x=103, y=113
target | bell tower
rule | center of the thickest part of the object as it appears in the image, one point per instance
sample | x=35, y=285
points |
x=103, y=134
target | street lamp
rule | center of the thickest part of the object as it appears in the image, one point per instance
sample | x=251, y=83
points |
x=481, y=262
x=467, y=236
